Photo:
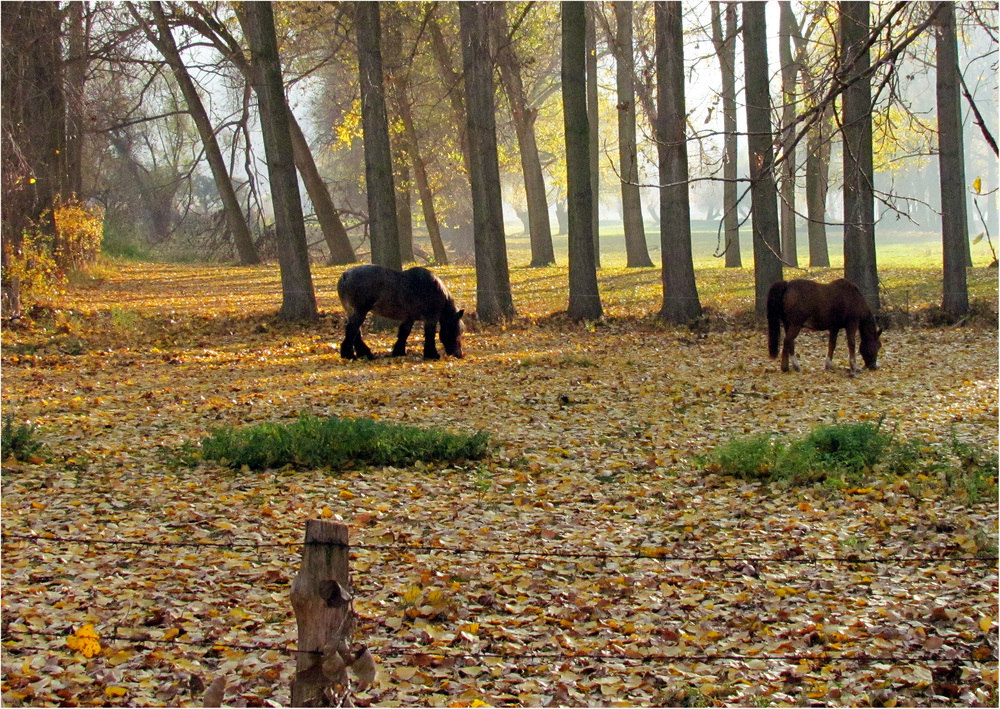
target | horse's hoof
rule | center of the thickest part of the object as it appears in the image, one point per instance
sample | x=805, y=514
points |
x=431, y=355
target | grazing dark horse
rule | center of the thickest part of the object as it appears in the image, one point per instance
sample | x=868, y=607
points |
x=820, y=306
x=407, y=296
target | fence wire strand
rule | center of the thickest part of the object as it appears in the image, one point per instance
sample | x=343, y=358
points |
x=534, y=655
x=650, y=552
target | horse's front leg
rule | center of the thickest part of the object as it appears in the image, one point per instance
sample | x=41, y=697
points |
x=852, y=330
x=788, y=348
x=399, y=349
x=430, y=329
x=831, y=347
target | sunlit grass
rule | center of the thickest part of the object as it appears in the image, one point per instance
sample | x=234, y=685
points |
x=134, y=292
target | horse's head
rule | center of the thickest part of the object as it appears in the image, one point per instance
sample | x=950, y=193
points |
x=451, y=333
x=871, y=343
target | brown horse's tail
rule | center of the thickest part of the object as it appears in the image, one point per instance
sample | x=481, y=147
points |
x=775, y=311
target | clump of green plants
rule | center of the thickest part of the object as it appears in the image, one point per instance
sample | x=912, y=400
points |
x=19, y=440
x=857, y=454
x=975, y=474
x=837, y=453
x=334, y=442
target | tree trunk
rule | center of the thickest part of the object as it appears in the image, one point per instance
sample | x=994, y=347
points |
x=298, y=297
x=420, y=174
x=401, y=97
x=725, y=49
x=33, y=126
x=76, y=79
x=594, y=128
x=235, y=220
x=584, y=299
x=954, y=217
x=461, y=215
x=383, y=226
x=817, y=187
x=493, y=295
x=33, y=115
x=859, y=196
x=542, y=252
x=817, y=163
x=404, y=205
x=763, y=194
x=789, y=70
x=334, y=233
x=636, y=251
x=680, y=294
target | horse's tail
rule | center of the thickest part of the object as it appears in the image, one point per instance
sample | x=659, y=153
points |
x=775, y=311
x=345, y=291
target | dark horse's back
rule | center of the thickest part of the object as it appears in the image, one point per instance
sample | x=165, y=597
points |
x=397, y=295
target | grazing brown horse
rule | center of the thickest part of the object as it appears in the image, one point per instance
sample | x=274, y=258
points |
x=820, y=306
x=407, y=296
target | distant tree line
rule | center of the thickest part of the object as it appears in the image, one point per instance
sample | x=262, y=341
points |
x=184, y=122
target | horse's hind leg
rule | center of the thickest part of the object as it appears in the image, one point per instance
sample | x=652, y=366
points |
x=353, y=346
x=399, y=349
x=788, y=348
x=351, y=332
x=831, y=347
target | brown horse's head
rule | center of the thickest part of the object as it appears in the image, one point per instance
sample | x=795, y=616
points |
x=451, y=332
x=871, y=343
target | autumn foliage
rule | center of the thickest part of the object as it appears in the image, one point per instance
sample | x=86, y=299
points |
x=66, y=238
x=593, y=556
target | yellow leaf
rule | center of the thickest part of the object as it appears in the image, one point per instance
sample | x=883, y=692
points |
x=985, y=623
x=171, y=633
x=119, y=657
x=404, y=673
x=85, y=641
x=977, y=185
x=115, y=691
x=346, y=494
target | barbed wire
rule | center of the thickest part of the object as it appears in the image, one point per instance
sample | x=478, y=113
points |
x=646, y=552
x=530, y=655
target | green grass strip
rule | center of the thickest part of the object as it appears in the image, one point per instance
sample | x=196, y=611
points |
x=336, y=443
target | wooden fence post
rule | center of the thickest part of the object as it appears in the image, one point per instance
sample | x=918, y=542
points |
x=321, y=597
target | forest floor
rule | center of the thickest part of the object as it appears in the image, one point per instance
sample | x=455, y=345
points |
x=591, y=559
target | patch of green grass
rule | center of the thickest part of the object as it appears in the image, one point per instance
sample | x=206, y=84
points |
x=975, y=474
x=18, y=439
x=857, y=454
x=312, y=442
x=834, y=454
x=750, y=458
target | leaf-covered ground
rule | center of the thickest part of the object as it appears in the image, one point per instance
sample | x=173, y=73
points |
x=589, y=560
